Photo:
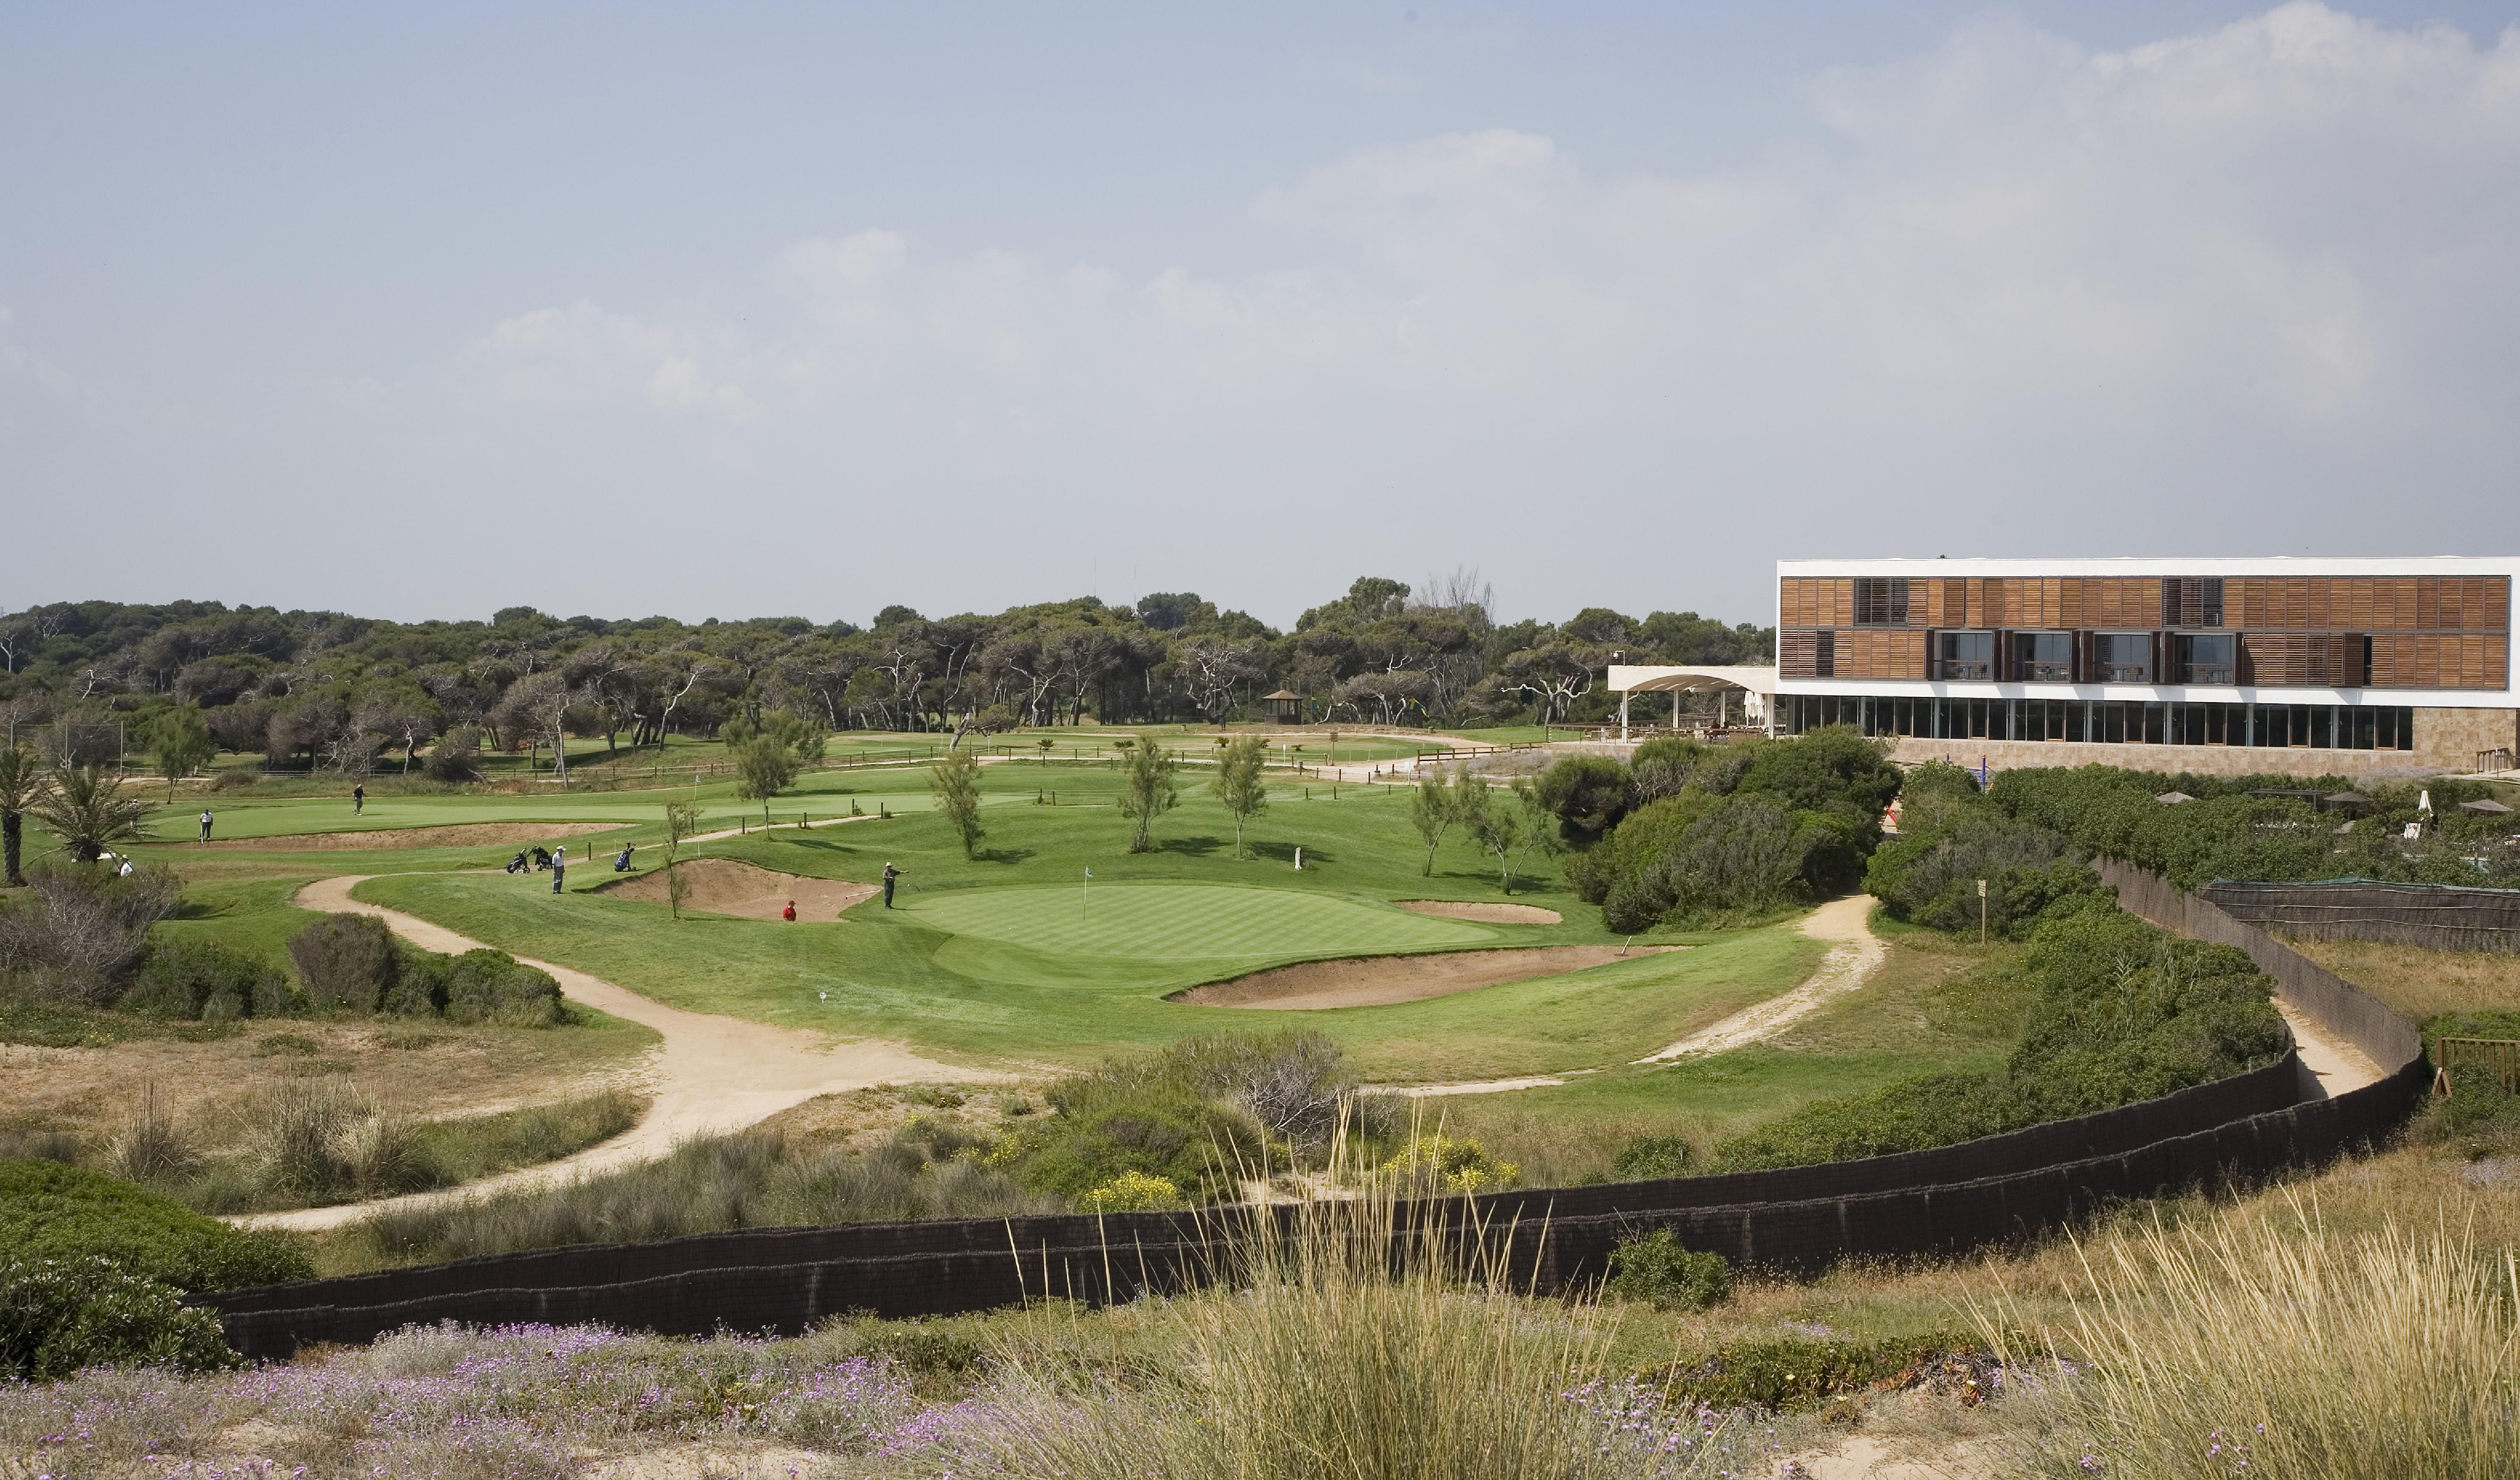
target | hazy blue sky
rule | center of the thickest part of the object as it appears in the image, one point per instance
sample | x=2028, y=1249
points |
x=745, y=310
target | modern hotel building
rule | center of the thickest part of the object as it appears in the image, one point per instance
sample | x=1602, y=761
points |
x=2212, y=665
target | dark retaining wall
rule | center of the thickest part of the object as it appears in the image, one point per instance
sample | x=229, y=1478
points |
x=1797, y=1219
x=2439, y=917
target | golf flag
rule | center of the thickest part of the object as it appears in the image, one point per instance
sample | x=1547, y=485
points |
x=1087, y=895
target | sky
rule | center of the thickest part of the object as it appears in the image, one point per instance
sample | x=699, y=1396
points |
x=745, y=310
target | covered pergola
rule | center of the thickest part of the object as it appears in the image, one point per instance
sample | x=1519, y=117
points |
x=1757, y=687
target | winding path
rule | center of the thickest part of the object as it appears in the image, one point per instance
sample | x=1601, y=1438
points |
x=709, y=1074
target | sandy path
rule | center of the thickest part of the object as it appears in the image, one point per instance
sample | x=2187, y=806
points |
x=1854, y=953
x=2339, y=1065
x=711, y=1073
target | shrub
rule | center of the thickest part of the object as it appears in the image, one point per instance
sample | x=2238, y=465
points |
x=52, y=1211
x=80, y=930
x=1436, y=1165
x=417, y=987
x=234, y=780
x=1133, y=1193
x=1742, y=857
x=1662, y=766
x=1800, y=1372
x=59, y=1315
x=1655, y=1270
x=1650, y=1158
x=193, y=977
x=1588, y=794
x=2119, y=1012
x=348, y=961
x=1164, y=1130
x=1929, y=873
x=492, y=986
x=456, y=757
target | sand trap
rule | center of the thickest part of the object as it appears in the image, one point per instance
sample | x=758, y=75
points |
x=724, y=886
x=1373, y=981
x=1485, y=913
x=461, y=835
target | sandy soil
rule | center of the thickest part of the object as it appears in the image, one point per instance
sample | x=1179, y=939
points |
x=462, y=835
x=1498, y=914
x=1373, y=981
x=725, y=886
x=2339, y=1065
x=1855, y=953
x=710, y=1074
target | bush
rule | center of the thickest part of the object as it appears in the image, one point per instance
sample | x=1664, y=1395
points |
x=1436, y=1165
x=80, y=930
x=492, y=986
x=456, y=757
x=52, y=1211
x=59, y=1315
x=1133, y=1193
x=1651, y=1157
x=1928, y=874
x=1745, y=856
x=1655, y=1270
x=348, y=961
x=1588, y=794
x=192, y=977
x=2119, y=1012
x=1165, y=1130
x=1802, y=1373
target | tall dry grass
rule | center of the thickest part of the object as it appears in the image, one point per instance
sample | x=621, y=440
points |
x=2269, y=1344
x=1343, y=1345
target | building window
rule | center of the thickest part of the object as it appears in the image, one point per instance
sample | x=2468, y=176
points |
x=1825, y=654
x=1964, y=655
x=2190, y=600
x=2209, y=657
x=1881, y=600
x=2122, y=658
x=2042, y=657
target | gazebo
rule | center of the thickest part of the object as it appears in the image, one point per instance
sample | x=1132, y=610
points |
x=1285, y=708
x=1756, y=686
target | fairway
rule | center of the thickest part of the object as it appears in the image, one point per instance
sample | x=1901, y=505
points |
x=1188, y=923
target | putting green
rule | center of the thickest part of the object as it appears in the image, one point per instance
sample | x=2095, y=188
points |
x=1186, y=923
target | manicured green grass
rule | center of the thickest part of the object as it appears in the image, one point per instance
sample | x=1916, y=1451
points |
x=255, y=915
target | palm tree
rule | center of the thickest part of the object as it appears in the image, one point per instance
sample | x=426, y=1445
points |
x=22, y=783
x=87, y=810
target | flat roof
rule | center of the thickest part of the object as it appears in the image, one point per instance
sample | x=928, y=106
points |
x=2181, y=565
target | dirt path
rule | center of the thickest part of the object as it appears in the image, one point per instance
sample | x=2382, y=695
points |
x=1854, y=953
x=2339, y=1065
x=711, y=1073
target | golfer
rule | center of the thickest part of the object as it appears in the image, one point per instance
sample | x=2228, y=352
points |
x=889, y=875
x=205, y=825
x=789, y=913
x=560, y=866
x=358, y=800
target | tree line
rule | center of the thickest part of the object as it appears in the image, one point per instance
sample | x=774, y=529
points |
x=323, y=689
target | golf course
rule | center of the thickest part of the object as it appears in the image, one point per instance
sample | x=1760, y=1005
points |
x=1052, y=947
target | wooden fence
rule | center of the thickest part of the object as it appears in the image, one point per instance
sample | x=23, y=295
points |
x=2500, y=1057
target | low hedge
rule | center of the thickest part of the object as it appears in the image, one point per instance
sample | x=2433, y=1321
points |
x=352, y=963
x=52, y=1211
x=196, y=979
x=61, y=1315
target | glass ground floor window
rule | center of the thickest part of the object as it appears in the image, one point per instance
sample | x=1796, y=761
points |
x=2113, y=721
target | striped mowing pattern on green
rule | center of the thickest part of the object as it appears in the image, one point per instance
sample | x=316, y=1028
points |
x=1187, y=922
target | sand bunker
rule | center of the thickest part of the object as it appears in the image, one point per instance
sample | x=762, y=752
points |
x=1482, y=912
x=723, y=886
x=462, y=835
x=1373, y=981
